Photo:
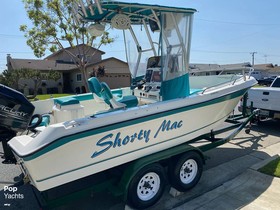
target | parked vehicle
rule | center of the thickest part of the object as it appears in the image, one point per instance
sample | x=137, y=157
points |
x=257, y=75
x=267, y=99
x=266, y=80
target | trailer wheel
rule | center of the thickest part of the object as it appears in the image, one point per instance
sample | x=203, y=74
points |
x=146, y=187
x=186, y=173
x=247, y=131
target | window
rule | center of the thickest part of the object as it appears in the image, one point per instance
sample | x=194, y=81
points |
x=276, y=83
x=79, y=77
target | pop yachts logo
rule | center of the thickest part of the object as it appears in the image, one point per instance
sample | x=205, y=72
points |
x=10, y=192
x=112, y=141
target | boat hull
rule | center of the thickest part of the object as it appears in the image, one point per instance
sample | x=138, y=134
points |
x=79, y=154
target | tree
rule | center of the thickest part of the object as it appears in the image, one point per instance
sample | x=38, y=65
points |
x=55, y=26
x=99, y=72
x=11, y=78
x=37, y=77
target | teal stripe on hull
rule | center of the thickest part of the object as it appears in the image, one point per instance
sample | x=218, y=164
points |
x=77, y=136
x=161, y=142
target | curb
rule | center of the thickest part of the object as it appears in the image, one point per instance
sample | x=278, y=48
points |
x=259, y=165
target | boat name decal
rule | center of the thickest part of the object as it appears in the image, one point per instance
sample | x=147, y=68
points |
x=167, y=125
x=110, y=141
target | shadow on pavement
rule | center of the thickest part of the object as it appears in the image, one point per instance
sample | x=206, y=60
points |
x=216, y=177
x=211, y=179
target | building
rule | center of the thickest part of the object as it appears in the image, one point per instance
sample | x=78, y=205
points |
x=116, y=71
x=215, y=69
x=260, y=70
x=267, y=70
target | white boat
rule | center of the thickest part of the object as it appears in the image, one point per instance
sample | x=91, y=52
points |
x=90, y=133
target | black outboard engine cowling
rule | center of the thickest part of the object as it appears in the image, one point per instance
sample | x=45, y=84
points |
x=15, y=110
x=15, y=115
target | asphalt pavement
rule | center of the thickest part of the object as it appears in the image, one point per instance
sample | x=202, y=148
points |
x=230, y=180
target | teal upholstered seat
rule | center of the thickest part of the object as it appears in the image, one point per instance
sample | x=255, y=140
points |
x=66, y=101
x=94, y=86
x=96, y=89
x=103, y=91
x=45, y=120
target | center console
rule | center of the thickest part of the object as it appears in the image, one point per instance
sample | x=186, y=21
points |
x=149, y=90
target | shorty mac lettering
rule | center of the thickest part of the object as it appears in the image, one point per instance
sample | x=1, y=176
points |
x=111, y=140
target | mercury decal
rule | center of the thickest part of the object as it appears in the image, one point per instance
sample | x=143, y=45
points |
x=11, y=111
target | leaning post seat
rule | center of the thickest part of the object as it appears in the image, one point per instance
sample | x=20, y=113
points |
x=96, y=89
x=103, y=91
x=94, y=86
x=108, y=96
x=46, y=119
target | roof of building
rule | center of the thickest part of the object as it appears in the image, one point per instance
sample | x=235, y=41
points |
x=236, y=66
x=217, y=67
x=265, y=66
x=43, y=65
x=204, y=67
x=40, y=64
x=108, y=59
x=111, y=69
x=67, y=48
x=268, y=67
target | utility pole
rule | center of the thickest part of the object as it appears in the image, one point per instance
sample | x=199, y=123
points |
x=265, y=58
x=253, y=58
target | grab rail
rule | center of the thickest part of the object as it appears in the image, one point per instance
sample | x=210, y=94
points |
x=223, y=83
x=234, y=80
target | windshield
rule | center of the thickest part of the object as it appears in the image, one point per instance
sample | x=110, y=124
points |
x=140, y=44
x=144, y=41
x=176, y=30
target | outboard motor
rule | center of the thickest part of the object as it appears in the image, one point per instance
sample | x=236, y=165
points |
x=15, y=115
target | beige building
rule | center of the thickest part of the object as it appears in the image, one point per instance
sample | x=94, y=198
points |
x=116, y=71
x=260, y=70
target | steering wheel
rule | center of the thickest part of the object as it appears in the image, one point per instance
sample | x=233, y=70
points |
x=38, y=122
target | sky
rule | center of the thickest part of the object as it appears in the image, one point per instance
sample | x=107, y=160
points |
x=224, y=32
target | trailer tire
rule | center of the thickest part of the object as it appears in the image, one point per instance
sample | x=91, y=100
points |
x=247, y=131
x=146, y=187
x=187, y=171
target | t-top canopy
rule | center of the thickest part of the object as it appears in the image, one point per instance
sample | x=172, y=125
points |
x=135, y=11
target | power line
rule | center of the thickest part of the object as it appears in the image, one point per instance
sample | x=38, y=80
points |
x=9, y=52
x=240, y=23
x=210, y=51
x=233, y=52
x=12, y=36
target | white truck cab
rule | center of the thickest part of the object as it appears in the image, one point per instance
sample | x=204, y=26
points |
x=267, y=99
